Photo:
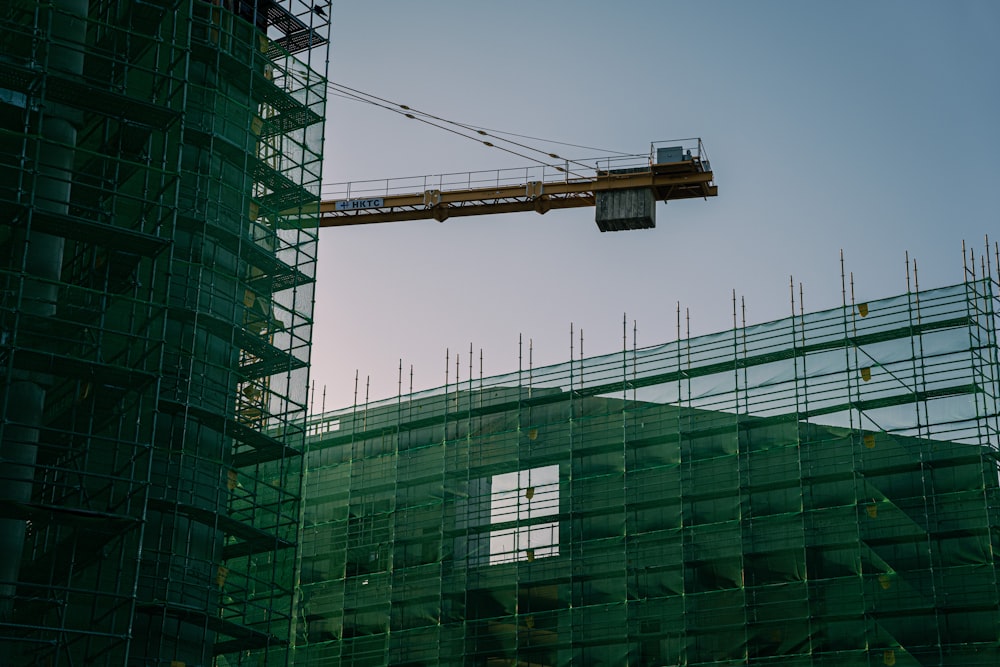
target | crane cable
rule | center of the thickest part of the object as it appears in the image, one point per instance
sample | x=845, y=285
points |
x=415, y=114
x=604, y=151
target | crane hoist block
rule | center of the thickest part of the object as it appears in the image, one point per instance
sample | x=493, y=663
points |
x=619, y=210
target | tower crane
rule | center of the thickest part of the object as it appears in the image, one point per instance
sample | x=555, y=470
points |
x=624, y=190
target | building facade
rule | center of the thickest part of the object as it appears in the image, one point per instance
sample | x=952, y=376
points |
x=159, y=181
x=820, y=490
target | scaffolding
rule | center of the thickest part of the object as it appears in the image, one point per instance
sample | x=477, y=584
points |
x=819, y=490
x=159, y=181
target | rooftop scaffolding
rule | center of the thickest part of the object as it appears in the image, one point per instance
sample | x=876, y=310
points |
x=820, y=489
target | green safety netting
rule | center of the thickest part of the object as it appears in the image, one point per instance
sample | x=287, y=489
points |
x=820, y=490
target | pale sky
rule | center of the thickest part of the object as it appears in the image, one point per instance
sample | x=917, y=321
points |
x=868, y=126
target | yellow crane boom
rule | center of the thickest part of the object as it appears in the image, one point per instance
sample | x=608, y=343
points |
x=667, y=173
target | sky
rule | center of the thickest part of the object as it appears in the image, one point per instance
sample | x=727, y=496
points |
x=868, y=127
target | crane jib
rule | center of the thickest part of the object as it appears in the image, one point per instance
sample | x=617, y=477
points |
x=624, y=190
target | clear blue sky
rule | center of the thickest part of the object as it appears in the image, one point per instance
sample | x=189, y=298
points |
x=868, y=126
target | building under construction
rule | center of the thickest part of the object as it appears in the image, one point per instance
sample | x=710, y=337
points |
x=819, y=490
x=159, y=188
